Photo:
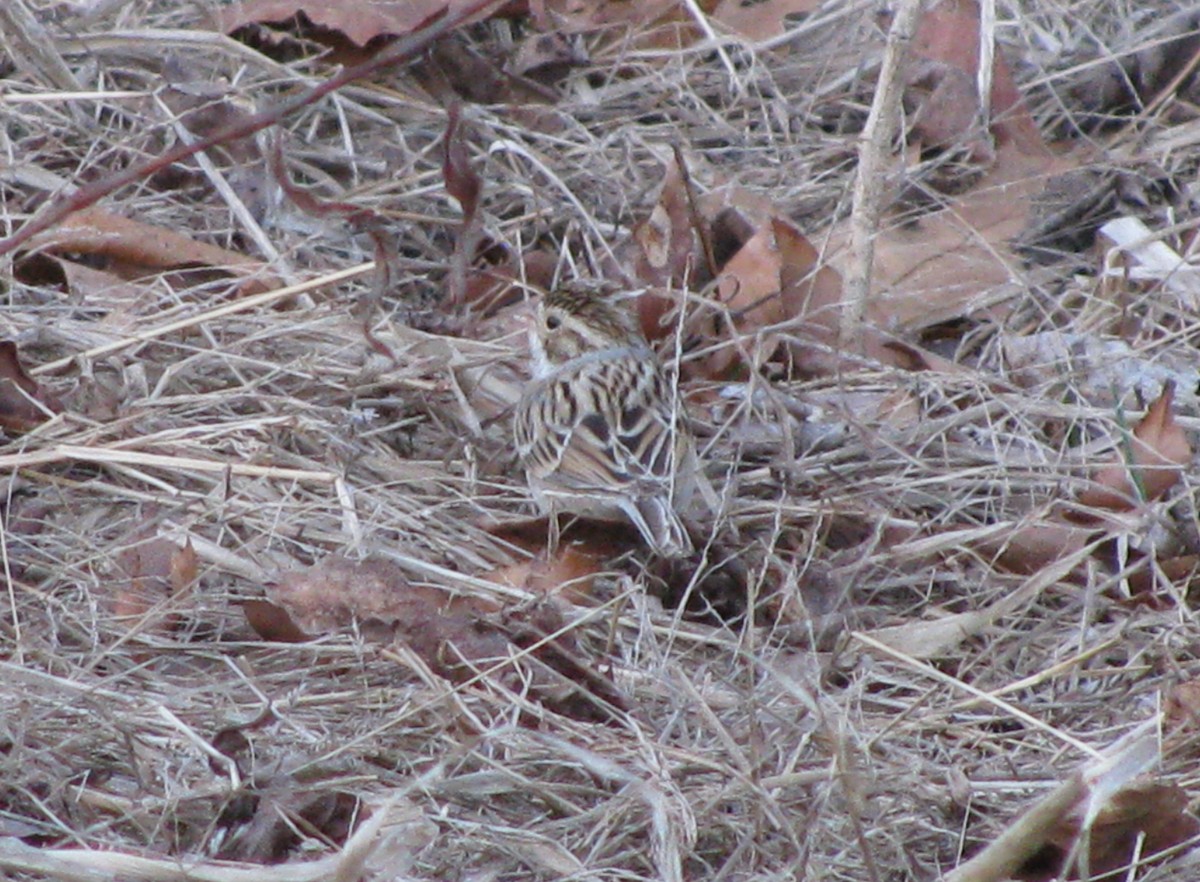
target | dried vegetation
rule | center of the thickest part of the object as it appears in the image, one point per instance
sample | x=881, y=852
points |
x=914, y=621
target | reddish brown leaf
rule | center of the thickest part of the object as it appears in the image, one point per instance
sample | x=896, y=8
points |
x=1030, y=549
x=461, y=180
x=651, y=24
x=775, y=278
x=272, y=826
x=763, y=19
x=156, y=571
x=23, y=404
x=1159, y=449
x=570, y=574
x=1142, y=818
x=359, y=22
x=273, y=623
x=1181, y=710
x=665, y=256
x=948, y=34
x=945, y=265
x=338, y=592
x=146, y=247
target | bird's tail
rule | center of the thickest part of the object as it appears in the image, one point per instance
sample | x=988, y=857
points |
x=661, y=527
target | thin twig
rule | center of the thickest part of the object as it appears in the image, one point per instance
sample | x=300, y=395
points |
x=874, y=146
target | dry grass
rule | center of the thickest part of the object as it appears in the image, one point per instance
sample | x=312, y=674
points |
x=272, y=436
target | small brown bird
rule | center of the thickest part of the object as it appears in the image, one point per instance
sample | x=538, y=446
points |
x=598, y=430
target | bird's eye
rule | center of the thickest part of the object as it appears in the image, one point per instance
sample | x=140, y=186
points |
x=553, y=322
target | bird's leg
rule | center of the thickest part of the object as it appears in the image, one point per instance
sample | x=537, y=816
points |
x=554, y=534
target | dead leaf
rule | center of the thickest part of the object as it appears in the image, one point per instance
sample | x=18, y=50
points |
x=759, y=20
x=1181, y=710
x=142, y=247
x=1131, y=81
x=1142, y=818
x=651, y=24
x=157, y=571
x=23, y=404
x=665, y=254
x=97, y=289
x=1158, y=450
x=776, y=279
x=948, y=34
x=949, y=263
x=525, y=650
x=359, y=22
x=337, y=592
x=465, y=186
x=570, y=574
x=461, y=180
x=272, y=623
x=1031, y=548
x=269, y=827
x=547, y=57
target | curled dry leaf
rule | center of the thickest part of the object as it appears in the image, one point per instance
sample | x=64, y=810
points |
x=24, y=405
x=1157, y=452
x=763, y=19
x=775, y=279
x=270, y=826
x=1181, y=710
x=121, y=301
x=570, y=574
x=337, y=592
x=1133, y=79
x=461, y=180
x=526, y=651
x=664, y=252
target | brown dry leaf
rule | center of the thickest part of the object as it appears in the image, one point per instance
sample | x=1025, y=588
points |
x=1131, y=81
x=157, y=571
x=272, y=623
x=759, y=20
x=95, y=288
x=946, y=47
x=461, y=180
x=665, y=245
x=1181, y=709
x=546, y=58
x=1159, y=449
x=24, y=405
x=948, y=262
x=570, y=574
x=1142, y=818
x=1030, y=549
x=143, y=247
x=358, y=22
x=652, y=24
x=337, y=591
x=464, y=185
x=525, y=650
x=271, y=826
x=776, y=277
x=494, y=287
